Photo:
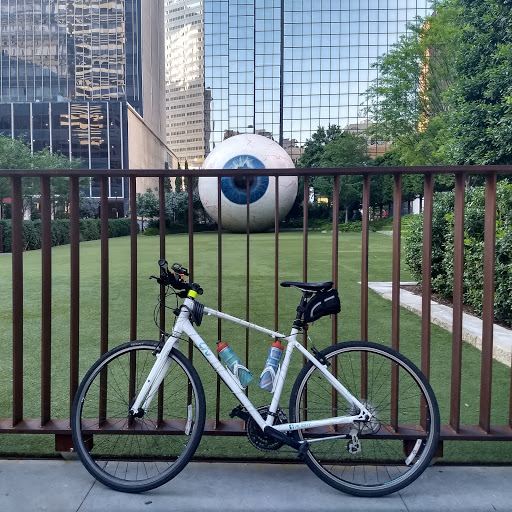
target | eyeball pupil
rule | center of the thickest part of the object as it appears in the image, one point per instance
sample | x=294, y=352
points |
x=235, y=189
x=240, y=182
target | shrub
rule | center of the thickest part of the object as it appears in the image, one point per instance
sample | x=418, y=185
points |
x=60, y=232
x=442, y=248
x=6, y=235
x=90, y=229
x=151, y=232
x=118, y=227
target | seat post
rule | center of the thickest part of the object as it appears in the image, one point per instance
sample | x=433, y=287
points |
x=297, y=323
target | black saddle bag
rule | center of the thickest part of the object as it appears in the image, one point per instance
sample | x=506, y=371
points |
x=322, y=304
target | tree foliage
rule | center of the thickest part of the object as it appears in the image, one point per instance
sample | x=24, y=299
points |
x=481, y=98
x=443, y=94
x=407, y=101
x=442, y=248
x=314, y=147
x=147, y=205
x=15, y=154
x=335, y=148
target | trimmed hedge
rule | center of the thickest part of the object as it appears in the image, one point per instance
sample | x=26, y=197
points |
x=90, y=229
x=442, y=248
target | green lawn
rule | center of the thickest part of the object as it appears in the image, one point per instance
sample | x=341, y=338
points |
x=262, y=307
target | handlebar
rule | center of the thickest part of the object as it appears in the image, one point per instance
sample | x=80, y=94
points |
x=175, y=278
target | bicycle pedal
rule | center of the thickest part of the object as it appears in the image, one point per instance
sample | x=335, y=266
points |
x=239, y=412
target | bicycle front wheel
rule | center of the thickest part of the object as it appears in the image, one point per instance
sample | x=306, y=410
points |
x=379, y=456
x=137, y=454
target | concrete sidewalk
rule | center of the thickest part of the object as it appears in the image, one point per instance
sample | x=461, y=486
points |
x=65, y=486
x=443, y=316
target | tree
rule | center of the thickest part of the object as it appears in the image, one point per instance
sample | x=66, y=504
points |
x=176, y=206
x=314, y=147
x=347, y=150
x=59, y=186
x=481, y=97
x=334, y=148
x=89, y=207
x=147, y=206
x=15, y=154
x=443, y=94
x=394, y=100
x=407, y=102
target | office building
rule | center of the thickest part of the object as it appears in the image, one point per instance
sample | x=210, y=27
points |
x=279, y=67
x=187, y=100
x=86, y=79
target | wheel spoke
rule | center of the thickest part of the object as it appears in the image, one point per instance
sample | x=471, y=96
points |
x=132, y=455
x=378, y=466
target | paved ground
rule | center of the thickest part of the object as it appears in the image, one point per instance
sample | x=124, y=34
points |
x=65, y=486
x=443, y=316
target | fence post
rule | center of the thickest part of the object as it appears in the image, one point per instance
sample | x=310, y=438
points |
x=1, y=238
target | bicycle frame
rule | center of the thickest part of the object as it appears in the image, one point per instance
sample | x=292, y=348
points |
x=183, y=325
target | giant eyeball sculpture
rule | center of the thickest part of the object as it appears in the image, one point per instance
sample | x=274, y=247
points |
x=247, y=151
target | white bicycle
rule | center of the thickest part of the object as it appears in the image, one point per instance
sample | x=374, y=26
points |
x=361, y=416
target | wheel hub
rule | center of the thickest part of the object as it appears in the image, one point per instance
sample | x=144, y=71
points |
x=372, y=426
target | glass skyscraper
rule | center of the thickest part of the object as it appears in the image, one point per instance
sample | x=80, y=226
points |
x=82, y=50
x=186, y=103
x=282, y=68
x=71, y=80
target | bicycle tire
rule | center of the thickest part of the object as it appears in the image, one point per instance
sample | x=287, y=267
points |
x=137, y=454
x=383, y=463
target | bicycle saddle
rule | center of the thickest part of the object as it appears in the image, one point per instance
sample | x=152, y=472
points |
x=309, y=287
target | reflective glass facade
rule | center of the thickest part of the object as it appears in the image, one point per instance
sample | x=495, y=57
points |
x=186, y=103
x=81, y=50
x=284, y=67
x=71, y=70
x=94, y=132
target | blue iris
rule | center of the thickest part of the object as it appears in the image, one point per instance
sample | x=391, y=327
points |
x=235, y=188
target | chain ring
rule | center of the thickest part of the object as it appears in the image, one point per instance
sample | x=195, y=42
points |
x=256, y=436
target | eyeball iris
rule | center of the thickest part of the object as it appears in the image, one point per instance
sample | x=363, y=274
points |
x=235, y=188
x=247, y=151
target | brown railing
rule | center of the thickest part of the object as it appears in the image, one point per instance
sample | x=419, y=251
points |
x=46, y=424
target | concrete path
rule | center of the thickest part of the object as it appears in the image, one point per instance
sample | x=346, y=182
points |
x=65, y=486
x=443, y=316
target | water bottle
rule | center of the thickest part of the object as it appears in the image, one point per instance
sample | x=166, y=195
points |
x=269, y=374
x=234, y=364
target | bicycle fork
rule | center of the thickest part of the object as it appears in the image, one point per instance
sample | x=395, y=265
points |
x=159, y=370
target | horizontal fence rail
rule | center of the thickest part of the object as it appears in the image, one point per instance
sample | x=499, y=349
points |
x=218, y=422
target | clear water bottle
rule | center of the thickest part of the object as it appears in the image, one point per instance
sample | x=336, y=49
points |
x=269, y=374
x=234, y=364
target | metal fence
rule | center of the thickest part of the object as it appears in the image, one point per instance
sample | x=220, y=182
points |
x=46, y=424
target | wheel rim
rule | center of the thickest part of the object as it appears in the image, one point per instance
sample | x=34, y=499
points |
x=126, y=451
x=378, y=463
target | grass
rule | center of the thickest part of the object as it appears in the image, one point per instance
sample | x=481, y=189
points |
x=234, y=294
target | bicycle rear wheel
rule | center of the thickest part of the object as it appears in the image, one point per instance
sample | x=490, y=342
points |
x=137, y=454
x=395, y=446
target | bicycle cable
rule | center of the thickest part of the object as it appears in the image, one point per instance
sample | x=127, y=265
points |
x=159, y=304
